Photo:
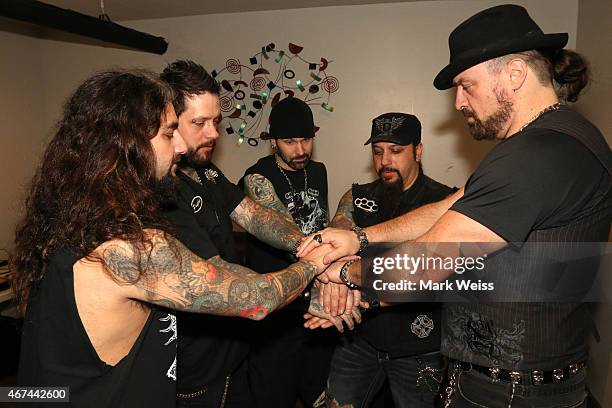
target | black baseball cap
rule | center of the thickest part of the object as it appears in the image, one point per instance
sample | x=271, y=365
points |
x=394, y=127
x=291, y=117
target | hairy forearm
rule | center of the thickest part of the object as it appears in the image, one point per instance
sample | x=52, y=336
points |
x=169, y=275
x=344, y=214
x=413, y=224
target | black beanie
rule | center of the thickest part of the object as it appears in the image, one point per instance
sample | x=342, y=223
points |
x=291, y=118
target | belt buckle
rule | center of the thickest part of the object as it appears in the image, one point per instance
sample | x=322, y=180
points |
x=494, y=373
x=537, y=377
x=573, y=369
x=557, y=375
x=515, y=377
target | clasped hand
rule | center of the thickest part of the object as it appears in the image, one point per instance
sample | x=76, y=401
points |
x=332, y=302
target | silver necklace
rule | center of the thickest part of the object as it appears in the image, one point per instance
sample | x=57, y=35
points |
x=549, y=108
x=289, y=181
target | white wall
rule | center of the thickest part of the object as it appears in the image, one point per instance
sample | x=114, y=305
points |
x=22, y=125
x=595, y=42
x=385, y=57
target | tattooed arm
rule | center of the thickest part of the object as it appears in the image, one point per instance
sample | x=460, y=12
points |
x=168, y=274
x=344, y=214
x=262, y=214
x=316, y=309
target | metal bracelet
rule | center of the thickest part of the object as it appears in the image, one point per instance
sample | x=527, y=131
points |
x=344, y=274
x=362, y=237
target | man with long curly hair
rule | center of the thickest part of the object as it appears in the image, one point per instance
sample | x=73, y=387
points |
x=96, y=267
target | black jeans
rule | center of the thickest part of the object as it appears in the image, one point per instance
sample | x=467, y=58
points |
x=288, y=362
x=358, y=372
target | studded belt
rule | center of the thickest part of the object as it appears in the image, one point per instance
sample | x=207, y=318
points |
x=534, y=377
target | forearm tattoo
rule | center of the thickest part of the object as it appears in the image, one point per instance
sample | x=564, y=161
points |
x=344, y=215
x=171, y=276
x=261, y=190
x=258, y=215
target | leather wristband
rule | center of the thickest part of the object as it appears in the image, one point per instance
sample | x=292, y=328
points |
x=344, y=274
x=362, y=237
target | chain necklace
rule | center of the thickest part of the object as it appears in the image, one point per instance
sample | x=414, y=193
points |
x=289, y=181
x=549, y=108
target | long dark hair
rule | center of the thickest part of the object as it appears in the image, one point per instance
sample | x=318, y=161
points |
x=97, y=176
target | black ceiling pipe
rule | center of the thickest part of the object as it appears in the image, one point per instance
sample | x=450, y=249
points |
x=46, y=15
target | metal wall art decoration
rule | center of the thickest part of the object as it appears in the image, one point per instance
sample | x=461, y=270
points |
x=248, y=92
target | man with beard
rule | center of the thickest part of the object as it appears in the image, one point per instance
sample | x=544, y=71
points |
x=212, y=350
x=287, y=361
x=94, y=262
x=386, y=347
x=547, y=184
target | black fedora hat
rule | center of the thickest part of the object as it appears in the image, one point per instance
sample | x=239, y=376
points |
x=491, y=33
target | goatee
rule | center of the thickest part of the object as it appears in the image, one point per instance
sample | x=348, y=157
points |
x=391, y=194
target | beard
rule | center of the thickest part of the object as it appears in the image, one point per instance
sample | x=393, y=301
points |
x=392, y=191
x=193, y=159
x=491, y=127
x=296, y=163
x=166, y=190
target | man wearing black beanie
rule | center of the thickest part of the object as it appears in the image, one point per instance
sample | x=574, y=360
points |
x=287, y=361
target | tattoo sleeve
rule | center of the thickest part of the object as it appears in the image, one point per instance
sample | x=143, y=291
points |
x=236, y=268
x=168, y=274
x=262, y=214
x=344, y=215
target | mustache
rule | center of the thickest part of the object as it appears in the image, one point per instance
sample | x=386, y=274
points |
x=211, y=143
x=303, y=157
x=468, y=113
x=387, y=168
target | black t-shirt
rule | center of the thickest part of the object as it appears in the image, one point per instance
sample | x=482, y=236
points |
x=538, y=187
x=410, y=328
x=57, y=352
x=535, y=180
x=210, y=347
x=304, y=195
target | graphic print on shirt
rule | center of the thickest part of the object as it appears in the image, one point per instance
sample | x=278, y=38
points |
x=306, y=210
x=365, y=204
x=171, y=373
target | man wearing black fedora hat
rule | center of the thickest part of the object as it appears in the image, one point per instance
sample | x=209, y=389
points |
x=399, y=345
x=547, y=181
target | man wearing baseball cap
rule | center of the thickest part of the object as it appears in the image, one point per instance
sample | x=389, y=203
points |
x=396, y=344
x=548, y=180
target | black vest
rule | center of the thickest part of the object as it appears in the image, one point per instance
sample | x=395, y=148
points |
x=529, y=336
x=410, y=328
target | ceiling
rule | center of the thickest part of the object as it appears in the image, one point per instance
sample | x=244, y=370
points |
x=121, y=10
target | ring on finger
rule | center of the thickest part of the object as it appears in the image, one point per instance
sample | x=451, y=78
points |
x=318, y=238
